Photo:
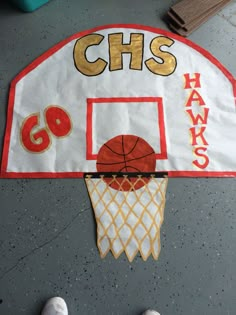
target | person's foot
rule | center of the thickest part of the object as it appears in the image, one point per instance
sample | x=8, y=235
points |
x=55, y=306
x=151, y=312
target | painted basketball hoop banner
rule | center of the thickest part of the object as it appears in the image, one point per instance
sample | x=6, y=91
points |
x=125, y=107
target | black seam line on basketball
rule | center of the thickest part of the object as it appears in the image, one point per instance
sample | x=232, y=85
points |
x=122, y=141
x=127, y=160
x=121, y=153
x=120, y=170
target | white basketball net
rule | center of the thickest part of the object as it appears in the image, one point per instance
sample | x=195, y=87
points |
x=128, y=221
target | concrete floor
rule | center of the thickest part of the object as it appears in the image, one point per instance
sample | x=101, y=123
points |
x=47, y=230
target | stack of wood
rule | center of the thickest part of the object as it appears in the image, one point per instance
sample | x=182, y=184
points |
x=187, y=15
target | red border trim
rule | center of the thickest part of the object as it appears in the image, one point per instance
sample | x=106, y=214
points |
x=10, y=108
x=81, y=174
x=61, y=44
x=89, y=129
x=161, y=123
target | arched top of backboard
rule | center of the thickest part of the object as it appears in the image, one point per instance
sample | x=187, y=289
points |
x=67, y=40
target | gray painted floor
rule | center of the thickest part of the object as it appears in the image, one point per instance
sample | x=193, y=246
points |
x=47, y=230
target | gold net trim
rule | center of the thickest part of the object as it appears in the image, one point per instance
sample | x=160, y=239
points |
x=128, y=221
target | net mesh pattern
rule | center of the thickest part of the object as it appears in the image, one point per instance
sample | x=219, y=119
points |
x=128, y=221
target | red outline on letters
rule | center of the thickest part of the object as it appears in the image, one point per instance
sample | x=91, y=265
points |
x=58, y=46
x=90, y=103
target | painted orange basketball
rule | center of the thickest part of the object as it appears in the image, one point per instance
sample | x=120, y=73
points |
x=126, y=153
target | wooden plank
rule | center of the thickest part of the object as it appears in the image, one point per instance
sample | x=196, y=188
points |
x=189, y=28
x=197, y=22
x=187, y=10
x=175, y=18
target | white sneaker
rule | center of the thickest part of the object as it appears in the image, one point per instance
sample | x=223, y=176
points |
x=55, y=306
x=151, y=312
